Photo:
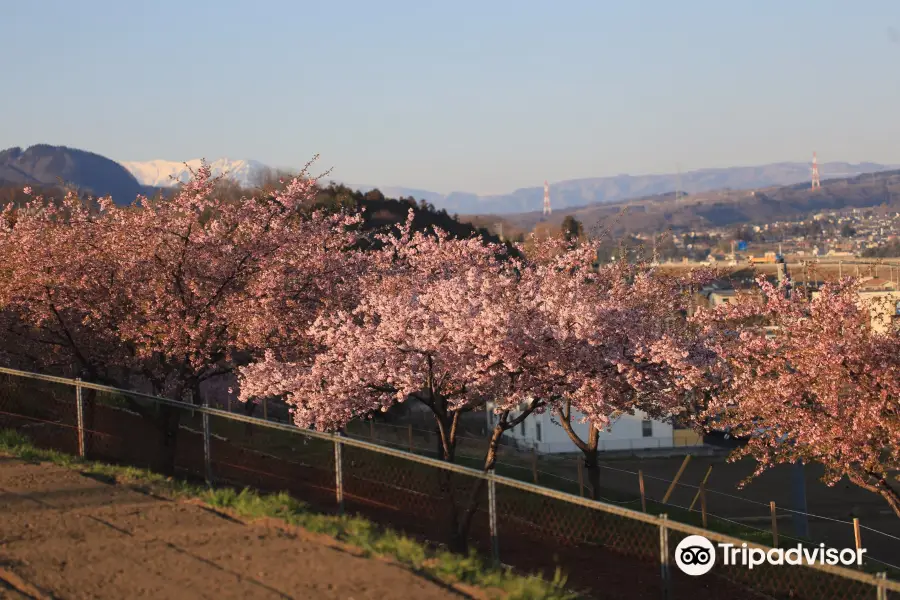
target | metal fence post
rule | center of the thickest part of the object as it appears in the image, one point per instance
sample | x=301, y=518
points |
x=492, y=518
x=338, y=475
x=207, y=459
x=79, y=407
x=774, y=512
x=665, y=573
x=881, y=590
x=641, y=486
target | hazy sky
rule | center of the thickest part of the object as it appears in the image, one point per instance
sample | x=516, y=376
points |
x=483, y=96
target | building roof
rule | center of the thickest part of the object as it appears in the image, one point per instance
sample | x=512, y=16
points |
x=876, y=283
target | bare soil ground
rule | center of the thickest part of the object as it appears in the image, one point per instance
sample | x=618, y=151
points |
x=65, y=535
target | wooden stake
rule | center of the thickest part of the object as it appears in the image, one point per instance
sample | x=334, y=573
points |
x=580, y=462
x=681, y=469
x=774, y=524
x=410, y=438
x=534, y=463
x=641, y=485
x=856, y=535
x=265, y=409
x=697, y=495
x=703, y=503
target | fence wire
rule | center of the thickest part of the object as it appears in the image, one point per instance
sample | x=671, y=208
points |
x=728, y=512
x=609, y=550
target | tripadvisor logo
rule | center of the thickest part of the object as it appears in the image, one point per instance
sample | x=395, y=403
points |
x=696, y=555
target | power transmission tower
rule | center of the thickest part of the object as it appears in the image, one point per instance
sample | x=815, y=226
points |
x=815, y=173
x=547, y=209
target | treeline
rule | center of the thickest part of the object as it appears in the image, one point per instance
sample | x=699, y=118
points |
x=378, y=211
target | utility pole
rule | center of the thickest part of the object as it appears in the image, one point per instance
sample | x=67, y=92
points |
x=815, y=173
x=547, y=209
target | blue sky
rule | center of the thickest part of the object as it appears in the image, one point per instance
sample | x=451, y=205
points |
x=483, y=96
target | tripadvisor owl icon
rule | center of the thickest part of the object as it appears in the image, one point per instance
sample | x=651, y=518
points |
x=695, y=555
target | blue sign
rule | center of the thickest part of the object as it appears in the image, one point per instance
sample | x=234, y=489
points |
x=742, y=245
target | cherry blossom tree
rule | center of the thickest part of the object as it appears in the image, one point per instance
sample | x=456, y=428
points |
x=442, y=321
x=457, y=323
x=819, y=384
x=434, y=324
x=171, y=292
x=625, y=337
x=51, y=276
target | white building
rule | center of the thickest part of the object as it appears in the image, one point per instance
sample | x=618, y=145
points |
x=882, y=302
x=626, y=432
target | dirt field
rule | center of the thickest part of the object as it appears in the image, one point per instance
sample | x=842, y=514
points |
x=64, y=535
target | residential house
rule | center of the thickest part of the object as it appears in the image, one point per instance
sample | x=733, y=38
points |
x=883, y=301
x=543, y=432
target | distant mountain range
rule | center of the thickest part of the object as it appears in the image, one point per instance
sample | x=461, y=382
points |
x=168, y=173
x=563, y=194
x=48, y=165
x=247, y=173
x=714, y=209
x=601, y=190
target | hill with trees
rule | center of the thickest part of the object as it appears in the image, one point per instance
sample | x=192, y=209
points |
x=45, y=163
x=712, y=209
x=51, y=166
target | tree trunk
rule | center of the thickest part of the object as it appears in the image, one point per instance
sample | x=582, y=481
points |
x=882, y=487
x=446, y=447
x=249, y=408
x=592, y=462
x=592, y=468
x=490, y=459
x=459, y=538
x=890, y=493
x=588, y=447
x=447, y=424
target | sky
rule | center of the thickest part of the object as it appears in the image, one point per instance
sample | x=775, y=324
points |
x=480, y=96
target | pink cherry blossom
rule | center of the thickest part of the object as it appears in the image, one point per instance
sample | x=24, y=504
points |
x=169, y=292
x=455, y=324
x=819, y=385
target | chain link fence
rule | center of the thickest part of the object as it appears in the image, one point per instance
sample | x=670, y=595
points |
x=605, y=550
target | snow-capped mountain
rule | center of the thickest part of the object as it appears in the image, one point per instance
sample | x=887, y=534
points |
x=167, y=173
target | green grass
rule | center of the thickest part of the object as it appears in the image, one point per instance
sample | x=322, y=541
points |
x=365, y=535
